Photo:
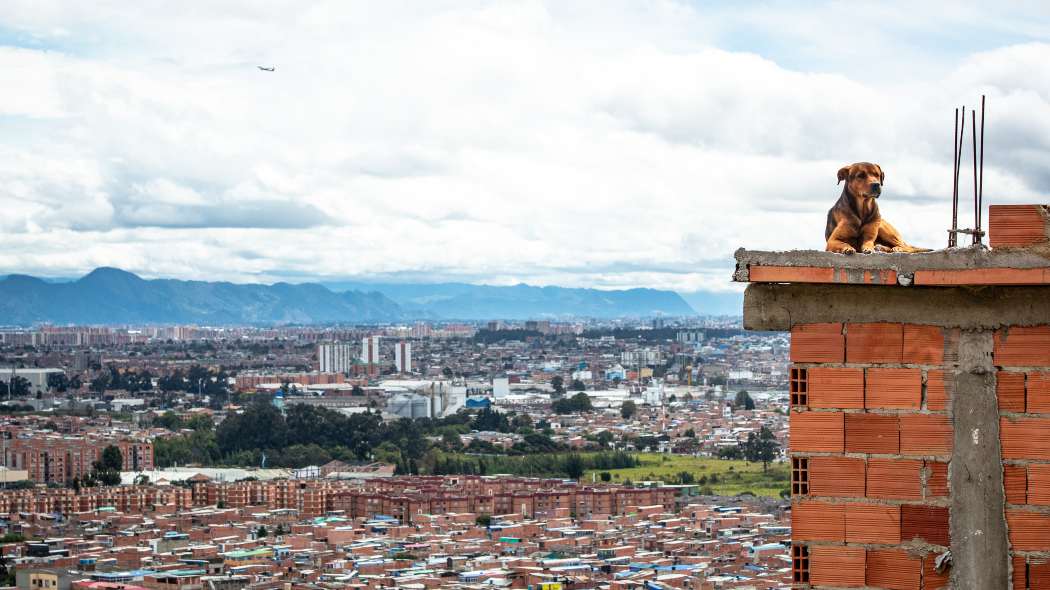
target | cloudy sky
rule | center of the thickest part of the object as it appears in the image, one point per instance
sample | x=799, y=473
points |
x=604, y=143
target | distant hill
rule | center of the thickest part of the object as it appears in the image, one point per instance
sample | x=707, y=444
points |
x=114, y=296
x=468, y=302
x=709, y=303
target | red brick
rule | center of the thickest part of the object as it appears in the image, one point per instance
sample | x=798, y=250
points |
x=894, y=479
x=836, y=388
x=874, y=343
x=841, y=567
x=929, y=523
x=936, y=479
x=1038, y=485
x=1029, y=531
x=872, y=433
x=923, y=345
x=1022, y=347
x=818, y=343
x=984, y=276
x=836, y=476
x=925, y=434
x=1038, y=573
x=1009, y=390
x=1024, y=438
x=936, y=391
x=818, y=521
x=931, y=580
x=1020, y=573
x=892, y=569
x=819, y=274
x=791, y=274
x=873, y=523
x=1015, y=225
x=816, y=432
x=1037, y=393
x=887, y=389
x=1015, y=483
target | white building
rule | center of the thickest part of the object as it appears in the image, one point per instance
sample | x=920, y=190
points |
x=334, y=358
x=37, y=378
x=370, y=350
x=403, y=357
x=500, y=387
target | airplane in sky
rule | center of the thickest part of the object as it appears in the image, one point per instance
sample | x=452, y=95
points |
x=267, y=69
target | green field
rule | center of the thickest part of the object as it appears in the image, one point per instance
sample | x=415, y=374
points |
x=730, y=477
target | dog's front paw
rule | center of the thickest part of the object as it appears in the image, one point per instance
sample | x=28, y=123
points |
x=867, y=250
x=847, y=250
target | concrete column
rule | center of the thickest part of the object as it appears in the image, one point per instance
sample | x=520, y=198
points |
x=980, y=551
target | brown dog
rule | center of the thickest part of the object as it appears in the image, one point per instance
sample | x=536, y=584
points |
x=854, y=223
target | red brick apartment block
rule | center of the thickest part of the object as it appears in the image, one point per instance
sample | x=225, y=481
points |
x=920, y=408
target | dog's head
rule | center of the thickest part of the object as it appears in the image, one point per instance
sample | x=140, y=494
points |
x=863, y=179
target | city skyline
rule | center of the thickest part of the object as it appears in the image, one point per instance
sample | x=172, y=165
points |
x=612, y=146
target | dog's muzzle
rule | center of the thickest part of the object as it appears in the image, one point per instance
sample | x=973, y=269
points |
x=875, y=190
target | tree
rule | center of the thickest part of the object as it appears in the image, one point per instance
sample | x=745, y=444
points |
x=628, y=409
x=691, y=433
x=762, y=448
x=19, y=386
x=100, y=383
x=357, y=391
x=112, y=459
x=558, y=383
x=483, y=520
x=604, y=438
x=577, y=385
x=106, y=471
x=577, y=403
x=743, y=401
x=261, y=532
x=58, y=382
x=574, y=466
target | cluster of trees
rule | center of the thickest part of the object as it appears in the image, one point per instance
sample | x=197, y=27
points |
x=759, y=448
x=571, y=405
x=17, y=387
x=171, y=421
x=571, y=465
x=60, y=383
x=114, y=378
x=309, y=435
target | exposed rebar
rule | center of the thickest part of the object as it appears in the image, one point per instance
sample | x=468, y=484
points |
x=976, y=207
x=980, y=187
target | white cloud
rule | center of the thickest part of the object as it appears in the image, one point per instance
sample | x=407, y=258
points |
x=611, y=144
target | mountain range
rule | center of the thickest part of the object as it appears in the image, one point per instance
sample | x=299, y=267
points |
x=114, y=296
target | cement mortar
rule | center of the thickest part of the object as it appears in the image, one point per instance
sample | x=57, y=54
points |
x=779, y=307
x=979, y=543
x=973, y=257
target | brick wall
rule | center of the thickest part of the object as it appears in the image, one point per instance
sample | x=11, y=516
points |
x=870, y=443
x=1022, y=357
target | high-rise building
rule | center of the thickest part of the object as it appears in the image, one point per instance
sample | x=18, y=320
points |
x=334, y=358
x=403, y=357
x=370, y=350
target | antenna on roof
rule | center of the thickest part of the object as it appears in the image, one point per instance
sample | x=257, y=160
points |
x=978, y=176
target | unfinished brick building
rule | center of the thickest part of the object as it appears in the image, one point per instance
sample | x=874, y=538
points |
x=920, y=419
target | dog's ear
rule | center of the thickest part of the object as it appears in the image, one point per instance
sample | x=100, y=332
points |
x=882, y=176
x=843, y=173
